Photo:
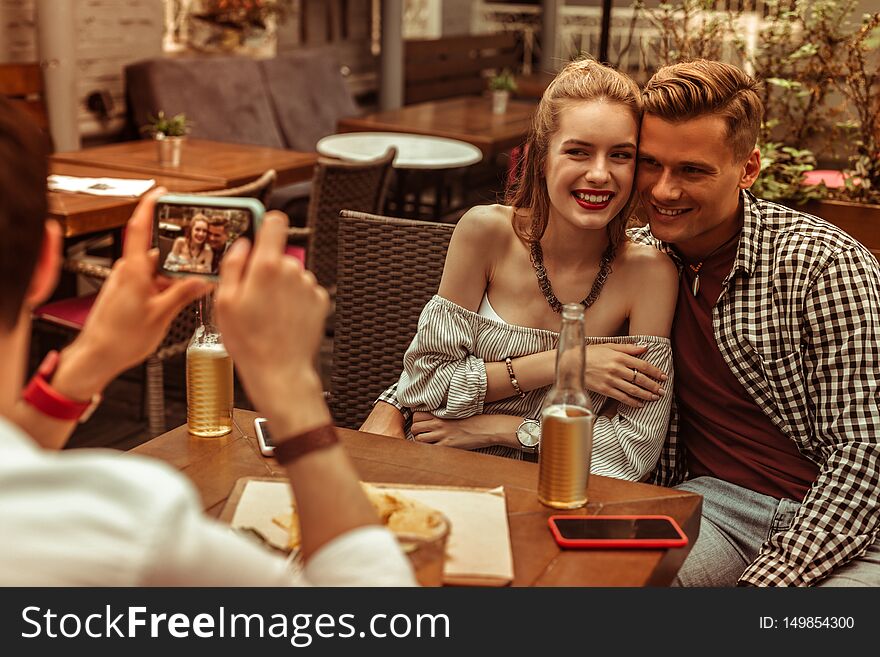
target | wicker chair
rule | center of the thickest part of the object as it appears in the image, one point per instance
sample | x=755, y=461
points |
x=388, y=269
x=260, y=189
x=70, y=314
x=336, y=185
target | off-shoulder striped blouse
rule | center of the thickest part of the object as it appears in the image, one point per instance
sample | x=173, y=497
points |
x=445, y=374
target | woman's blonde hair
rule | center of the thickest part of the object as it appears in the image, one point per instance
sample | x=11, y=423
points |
x=580, y=81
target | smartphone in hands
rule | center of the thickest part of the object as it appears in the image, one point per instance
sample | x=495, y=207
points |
x=613, y=532
x=193, y=232
x=264, y=438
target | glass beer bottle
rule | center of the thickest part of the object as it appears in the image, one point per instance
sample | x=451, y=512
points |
x=566, y=445
x=209, y=396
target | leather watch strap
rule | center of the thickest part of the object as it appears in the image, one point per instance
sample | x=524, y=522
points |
x=296, y=447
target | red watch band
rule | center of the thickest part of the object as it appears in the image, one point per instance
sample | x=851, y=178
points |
x=40, y=394
x=298, y=446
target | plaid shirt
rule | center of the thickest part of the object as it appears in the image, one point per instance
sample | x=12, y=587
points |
x=798, y=323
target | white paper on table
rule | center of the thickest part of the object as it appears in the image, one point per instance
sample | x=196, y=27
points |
x=479, y=540
x=100, y=186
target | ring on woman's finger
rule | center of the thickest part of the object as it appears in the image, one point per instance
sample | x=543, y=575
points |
x=635, y=374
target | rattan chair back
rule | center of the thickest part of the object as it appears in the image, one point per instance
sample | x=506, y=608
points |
x=358, y=186
x=259, y=189
x=388, y=269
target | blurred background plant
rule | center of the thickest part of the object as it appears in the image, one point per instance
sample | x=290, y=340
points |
x=503, y=81
x=857, y=77
x=782, y=174
x=162, y=126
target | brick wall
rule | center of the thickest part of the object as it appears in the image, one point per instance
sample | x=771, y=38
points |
x=109, y=35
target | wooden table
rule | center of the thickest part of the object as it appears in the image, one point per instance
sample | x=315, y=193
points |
x=215, y=464
x=82, y=214
x=220, y=164
x=467, y=118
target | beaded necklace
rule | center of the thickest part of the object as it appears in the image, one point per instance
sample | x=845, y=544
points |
x=537, y=258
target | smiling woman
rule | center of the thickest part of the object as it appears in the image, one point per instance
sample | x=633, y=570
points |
x=191, y=252
x=484, y=354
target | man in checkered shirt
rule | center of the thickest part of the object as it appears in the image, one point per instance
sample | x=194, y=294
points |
x=776, y=420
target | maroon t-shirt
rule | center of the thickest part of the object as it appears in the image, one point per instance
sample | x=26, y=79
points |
x=725, y=433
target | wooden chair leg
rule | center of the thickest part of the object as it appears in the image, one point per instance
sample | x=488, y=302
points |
x=155, y=396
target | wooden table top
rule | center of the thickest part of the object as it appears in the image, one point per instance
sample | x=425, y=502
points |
x=467, y=118
x=81, y=214
x=219, y=163
x=214, y=465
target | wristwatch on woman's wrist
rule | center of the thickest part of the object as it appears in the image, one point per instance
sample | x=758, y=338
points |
x=528, y=433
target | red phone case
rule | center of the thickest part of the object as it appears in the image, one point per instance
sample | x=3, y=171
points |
x=616, y=543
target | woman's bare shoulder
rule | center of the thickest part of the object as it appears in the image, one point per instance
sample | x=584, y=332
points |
x=652, y=280
x=486, y=223
x=644, y=260
x=481, y=238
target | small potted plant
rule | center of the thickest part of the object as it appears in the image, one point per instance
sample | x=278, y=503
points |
x=501, y=85
x=169, y=133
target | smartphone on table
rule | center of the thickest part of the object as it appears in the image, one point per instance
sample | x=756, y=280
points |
x=613, y=532
x=264, y=438
x=193, y=232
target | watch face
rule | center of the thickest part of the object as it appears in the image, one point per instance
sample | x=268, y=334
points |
x=529, y=434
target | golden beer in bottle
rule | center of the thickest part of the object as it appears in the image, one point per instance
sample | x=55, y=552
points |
x=566, y=446
x=209, y=381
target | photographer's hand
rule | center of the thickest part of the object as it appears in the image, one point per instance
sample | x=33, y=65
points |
x=125, y=325
x=271, y=313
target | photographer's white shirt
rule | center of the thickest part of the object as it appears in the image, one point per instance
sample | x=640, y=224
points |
x=100, y=518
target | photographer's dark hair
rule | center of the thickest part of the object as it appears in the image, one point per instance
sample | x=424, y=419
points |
x=23, y=207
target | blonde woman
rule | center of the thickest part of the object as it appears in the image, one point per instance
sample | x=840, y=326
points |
x=192, y=252
x=484, y=355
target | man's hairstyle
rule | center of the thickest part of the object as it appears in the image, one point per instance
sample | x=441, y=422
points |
x=580, y=81
x=217, y=221
x=23, y=207
x=701, y=87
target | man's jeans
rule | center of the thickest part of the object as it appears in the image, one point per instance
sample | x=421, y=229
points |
x=736, y=522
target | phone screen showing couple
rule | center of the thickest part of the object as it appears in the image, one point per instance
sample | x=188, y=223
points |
x=192, y=239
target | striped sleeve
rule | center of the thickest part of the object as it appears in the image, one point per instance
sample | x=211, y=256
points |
x=441, y=374
x=627, y=445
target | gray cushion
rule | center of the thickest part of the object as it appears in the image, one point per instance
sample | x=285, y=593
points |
x=309, y=95
x=225, y=97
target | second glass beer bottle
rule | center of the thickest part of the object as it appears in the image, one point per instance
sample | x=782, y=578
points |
x=209, y=387
x=567, y=419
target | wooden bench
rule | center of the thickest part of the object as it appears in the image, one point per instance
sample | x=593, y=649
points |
x=22, y=84
x=456, y=66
